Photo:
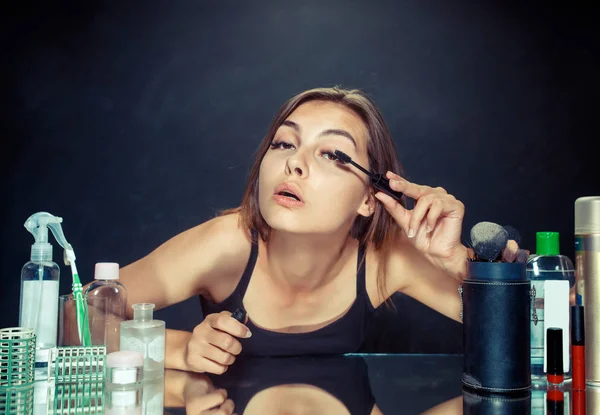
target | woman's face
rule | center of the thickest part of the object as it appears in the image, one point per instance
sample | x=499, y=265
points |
x=301, y=161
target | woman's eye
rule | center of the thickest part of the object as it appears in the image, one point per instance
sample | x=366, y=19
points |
x=329, y=155
x=281, y=145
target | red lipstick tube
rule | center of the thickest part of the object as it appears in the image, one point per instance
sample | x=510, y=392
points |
x=578, y=347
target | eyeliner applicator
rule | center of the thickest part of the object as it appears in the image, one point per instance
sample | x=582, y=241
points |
x=378, y=180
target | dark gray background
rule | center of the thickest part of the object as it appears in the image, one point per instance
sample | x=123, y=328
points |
x=135, y=120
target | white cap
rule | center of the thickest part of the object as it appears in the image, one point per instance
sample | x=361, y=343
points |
x=125, y=359
x=587, y=215
x=106, y=271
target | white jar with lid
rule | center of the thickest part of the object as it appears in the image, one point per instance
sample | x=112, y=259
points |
x=124, y=368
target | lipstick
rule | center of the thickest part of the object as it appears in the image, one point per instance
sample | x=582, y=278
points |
x=578, y=347
x=554, y=356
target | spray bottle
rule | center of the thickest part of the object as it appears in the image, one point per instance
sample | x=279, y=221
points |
x=39, y=287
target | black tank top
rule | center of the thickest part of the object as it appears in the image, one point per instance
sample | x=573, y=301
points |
x=344, y=377
x=344, y=335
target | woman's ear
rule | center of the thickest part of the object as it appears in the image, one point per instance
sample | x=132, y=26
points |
x=367, y=207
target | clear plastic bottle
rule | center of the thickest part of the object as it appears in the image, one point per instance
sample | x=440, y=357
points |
x=546, y=264
x=38, y=308
x=147, y=336
x=106, y=326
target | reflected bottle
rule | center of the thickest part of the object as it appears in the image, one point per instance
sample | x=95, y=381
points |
x=146, y=336
x=153, y=397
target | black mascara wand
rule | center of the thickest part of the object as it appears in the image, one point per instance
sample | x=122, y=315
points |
x=378, y=181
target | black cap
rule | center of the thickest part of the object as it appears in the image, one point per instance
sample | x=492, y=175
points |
x=577, y=326
x=240, y=315
x=554, y=355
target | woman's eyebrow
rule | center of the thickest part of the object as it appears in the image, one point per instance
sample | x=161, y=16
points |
x=342, y=133
x=331, y=131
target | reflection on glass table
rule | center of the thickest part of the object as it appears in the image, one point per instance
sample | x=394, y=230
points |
x=353, y=384
x=368, y=384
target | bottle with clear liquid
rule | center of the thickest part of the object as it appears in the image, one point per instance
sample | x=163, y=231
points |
x=39, y=306
x=38, y=309
x=147, y=336
x=106, y=324
x=546, y=264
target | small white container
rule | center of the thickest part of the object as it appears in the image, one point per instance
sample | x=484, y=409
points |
x=124, y=368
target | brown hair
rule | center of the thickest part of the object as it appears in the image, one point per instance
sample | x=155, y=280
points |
x=379, y=230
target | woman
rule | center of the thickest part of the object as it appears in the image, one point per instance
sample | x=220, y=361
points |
x=313, y=249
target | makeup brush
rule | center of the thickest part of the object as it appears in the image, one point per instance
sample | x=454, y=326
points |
x=513, y=233
x=378, y=180
x=489, y=240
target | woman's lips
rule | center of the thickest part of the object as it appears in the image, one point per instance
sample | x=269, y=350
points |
x=289, y=187
x=287, y=201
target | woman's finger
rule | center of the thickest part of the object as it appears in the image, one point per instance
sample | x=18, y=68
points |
x=418, y=213
x=200, y=404
x=225, y=409
x=206, y=365
x=224, y=341
x=437, y=207
x=225, y=323
x=218, y=356
x=410, y=189
x=395, y=209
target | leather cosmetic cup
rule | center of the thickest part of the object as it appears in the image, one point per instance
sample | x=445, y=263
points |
x=496, y=308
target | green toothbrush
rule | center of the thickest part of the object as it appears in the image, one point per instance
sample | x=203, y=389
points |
x=81, y=310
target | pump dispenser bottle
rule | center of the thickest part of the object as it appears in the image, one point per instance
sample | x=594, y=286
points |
x=39, y=288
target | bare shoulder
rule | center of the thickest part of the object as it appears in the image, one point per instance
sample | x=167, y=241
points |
x=210, y=256
x=226, y=231
x=390, y=268
x=231, y=243
x=223, y=244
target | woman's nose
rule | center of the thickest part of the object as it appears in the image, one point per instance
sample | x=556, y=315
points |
x=296, y=166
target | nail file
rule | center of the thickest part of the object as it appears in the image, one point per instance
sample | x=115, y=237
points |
x=556, y=314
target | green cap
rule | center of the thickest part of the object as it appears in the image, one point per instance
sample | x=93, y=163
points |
x=547, y=243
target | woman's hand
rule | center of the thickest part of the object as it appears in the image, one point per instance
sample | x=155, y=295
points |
x=201, y=398
x=213, y=346
x=434, y=225
x=196, y=393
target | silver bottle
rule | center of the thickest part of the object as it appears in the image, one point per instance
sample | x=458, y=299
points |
x=587, y=264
